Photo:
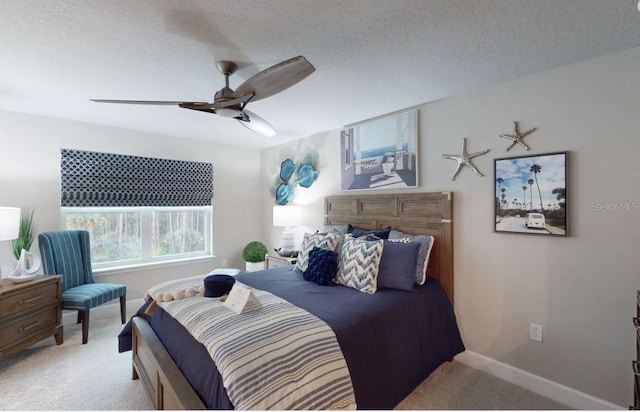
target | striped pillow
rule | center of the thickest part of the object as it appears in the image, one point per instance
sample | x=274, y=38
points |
x=359, y=262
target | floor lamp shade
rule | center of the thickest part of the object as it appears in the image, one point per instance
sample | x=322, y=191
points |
x=9, y=223
x=287, y=216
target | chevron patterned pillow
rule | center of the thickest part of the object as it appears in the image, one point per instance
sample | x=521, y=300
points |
x=358, y=266
x=311, y=240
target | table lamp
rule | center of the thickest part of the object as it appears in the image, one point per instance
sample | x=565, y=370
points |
x=9, y=223
x=287, y=216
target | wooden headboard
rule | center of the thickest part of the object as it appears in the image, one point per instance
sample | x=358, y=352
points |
x=413, y=213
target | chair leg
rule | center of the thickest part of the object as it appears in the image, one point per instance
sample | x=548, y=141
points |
x=79, y=317
x=123, y=308
x=84, y=315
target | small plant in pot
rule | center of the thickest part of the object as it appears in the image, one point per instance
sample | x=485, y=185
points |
x=254, y=256
x=26, y=233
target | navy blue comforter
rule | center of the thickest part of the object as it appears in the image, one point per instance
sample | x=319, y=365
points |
x=391, y=340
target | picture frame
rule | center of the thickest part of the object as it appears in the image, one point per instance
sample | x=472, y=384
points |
x=531, y=194
x=380, y=154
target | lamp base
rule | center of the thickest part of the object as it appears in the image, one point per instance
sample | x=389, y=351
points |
x=286, y=253
x=287, y=244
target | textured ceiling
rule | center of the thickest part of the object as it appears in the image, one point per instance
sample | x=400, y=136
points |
x=372, y=57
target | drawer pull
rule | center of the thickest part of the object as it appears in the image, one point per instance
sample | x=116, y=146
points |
x=31, y=300
x=31, y=326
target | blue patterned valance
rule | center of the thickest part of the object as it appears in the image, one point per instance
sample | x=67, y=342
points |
x=95, y=179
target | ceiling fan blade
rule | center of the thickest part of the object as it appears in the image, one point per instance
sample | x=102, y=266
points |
x=276, y=78
x=153, y=102
x=256, y=124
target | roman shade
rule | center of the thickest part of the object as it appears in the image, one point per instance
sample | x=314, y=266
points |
x=96, y=179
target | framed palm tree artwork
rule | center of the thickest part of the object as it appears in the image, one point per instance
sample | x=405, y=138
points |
x=531, y=194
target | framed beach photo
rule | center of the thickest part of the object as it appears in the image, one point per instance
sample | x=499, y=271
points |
x=531, y=194
x=381, y=154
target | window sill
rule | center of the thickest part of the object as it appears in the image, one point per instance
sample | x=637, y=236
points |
x=145, y=266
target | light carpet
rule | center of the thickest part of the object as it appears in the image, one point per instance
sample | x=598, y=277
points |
x=95, y=376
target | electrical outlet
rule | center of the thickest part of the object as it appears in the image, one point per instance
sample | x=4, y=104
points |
x=535, y=332
x=224, y=263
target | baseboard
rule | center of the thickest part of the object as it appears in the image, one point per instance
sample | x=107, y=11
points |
x=545, y=387
x=70, y=317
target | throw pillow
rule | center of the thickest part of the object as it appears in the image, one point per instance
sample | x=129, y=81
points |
x=422, y=261
x=398, y=265
x=379, y=233
x=323, y=266
x=358, y=266
x=340, y=230
x=311, y=240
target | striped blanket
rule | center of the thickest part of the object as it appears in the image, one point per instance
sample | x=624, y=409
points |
x=278, y=357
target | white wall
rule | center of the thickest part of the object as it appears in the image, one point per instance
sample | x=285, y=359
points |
x=30, y=176
x=581, y=288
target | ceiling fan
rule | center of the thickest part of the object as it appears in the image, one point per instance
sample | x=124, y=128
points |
x=230, y=103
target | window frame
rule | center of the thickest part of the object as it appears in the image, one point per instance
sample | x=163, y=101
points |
x=145, y=233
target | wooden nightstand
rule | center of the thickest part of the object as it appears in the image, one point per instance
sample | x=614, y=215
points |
x=29, y=312
x=279, y=261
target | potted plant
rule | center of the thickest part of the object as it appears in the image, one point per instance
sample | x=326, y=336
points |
x=26, y=233
x=254, y=255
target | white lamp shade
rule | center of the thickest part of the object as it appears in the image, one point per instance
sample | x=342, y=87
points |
x=287, y=216
x=9, y=223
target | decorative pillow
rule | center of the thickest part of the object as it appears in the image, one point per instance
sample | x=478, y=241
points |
x=358, y=266
x=311, y=240
x=218, y=285
x=397, y=268
x=426, y=243
x=401, y=240
x=323, y=266
x=340, y=230
x=357, y=232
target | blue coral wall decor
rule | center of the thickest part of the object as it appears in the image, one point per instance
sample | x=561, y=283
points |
x=293, y=175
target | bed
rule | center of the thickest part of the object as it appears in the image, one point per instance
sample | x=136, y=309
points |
x=391, y=340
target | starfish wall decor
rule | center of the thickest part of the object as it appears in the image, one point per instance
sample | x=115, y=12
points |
x=517, y=136
x=464, y=159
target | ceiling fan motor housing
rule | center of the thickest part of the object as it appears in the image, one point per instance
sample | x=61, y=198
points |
x=223, y=95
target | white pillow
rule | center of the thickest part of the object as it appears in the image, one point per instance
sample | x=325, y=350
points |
x=311, y=240
x=359, y=263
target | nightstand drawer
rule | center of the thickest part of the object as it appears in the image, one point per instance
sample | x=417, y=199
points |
x=279, y=261
x=27, y=326
x=28, y=299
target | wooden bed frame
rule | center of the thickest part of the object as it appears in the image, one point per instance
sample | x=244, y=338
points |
x=413, y=213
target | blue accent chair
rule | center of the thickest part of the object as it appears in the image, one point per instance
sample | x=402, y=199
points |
x=68, y=253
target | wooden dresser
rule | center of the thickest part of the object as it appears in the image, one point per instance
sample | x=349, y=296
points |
x=29, y=312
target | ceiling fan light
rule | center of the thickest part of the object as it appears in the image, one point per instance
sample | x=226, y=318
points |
x=261, y=128
x=257, y=124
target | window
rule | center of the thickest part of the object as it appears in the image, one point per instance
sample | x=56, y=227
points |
x=141, y=235
x=138, y=210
